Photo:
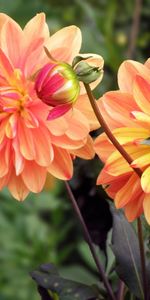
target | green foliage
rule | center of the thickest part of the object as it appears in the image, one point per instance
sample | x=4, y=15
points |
x=30, y=234
x=126, y=250
x=65, y=289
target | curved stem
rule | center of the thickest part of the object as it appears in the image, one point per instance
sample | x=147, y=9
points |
x=90, y=243
x=134, y=28
x=121, y=291
x=142, y=252
x=108, y=132
x=138, y=171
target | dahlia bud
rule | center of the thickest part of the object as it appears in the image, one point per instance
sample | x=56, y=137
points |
x=57, y=85
x=85, y=72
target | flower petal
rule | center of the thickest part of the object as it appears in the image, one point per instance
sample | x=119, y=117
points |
x=141, y=118
x=43, y=147
x=127, y=72
x=36, y=28
x=18, y=158
x=116, y=108
x=125, y=135
x=3, y=19
x=25, y=136
x=129, y=192
x=11, y=39
x=65, y=142
x=65, y=44
x=134, y=208
x=145, y=180
x=61, y=167
x=141, y=90
x=79, y=126
x=117, y=165
x=84, y=106
x=34, y=176
x=58, y=111
x=143, y=159
x=6, y=68
x=36, y=32
x=103, y=147
x=87, y=151
x=17, y=187
x=146, y=206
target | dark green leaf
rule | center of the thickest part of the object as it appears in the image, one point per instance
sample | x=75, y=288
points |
x=64, y=289
x=126, y=250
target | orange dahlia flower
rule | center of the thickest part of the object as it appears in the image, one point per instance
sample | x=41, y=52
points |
x=127, y=112
x=31, y=146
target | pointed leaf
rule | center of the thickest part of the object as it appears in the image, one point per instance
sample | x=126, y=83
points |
x=58, y=287
x=126, y=250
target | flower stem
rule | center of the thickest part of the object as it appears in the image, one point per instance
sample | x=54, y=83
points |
x=108, y=132
x=138, y=171
x=121, y=291
x=90, y=243
x=142, y=253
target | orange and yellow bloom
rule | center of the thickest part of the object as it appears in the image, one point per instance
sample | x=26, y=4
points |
x=31, y=146
x=127, y=112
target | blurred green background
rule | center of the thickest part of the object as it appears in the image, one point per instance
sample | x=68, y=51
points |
x=36, y=231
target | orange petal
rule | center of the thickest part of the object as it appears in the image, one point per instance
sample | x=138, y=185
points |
x=141, y=118
x=29, y=119
x=11, y=126
x=65, y=44
x=78, y=127
x=55, y=128
x=127, y=72
x=87, y=151
x=145, y=180
x=116, y=185
x=4, y=181
x=129, y=192
x=134, y=209
x=116, y=108
x=103, y=147
x=147, y=63
x=18, y=158
x=6, y=68
x=117, y=165
x=36, y=32
x=112, y=164
x=143, y=160
x=125, y=134
x=61, y=167
x=17, y=187
x=84, y=106
x=141, y=90
x=34, y=176
x=3, y=125
x=36, y=28
x=67, y=143
x=104, y=178
x=43, y=146
x=11, y=38
x=3, y=19
x=4, y=166
x=25, y=136
x=146, y=206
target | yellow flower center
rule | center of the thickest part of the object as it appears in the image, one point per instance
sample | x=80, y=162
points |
x=14, y=94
